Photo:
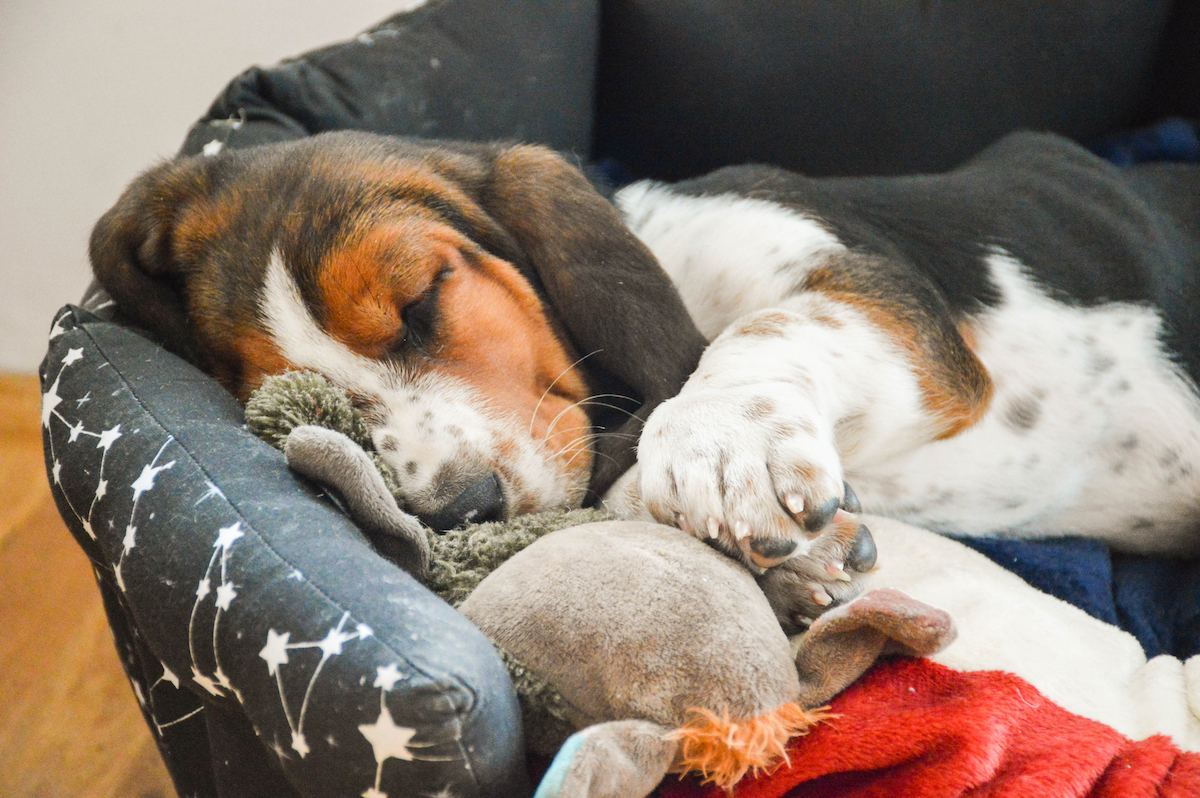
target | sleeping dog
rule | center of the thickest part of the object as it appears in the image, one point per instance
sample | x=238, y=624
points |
x=1008, y=348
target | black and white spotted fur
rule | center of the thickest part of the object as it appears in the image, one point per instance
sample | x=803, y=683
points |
x=1074, y=283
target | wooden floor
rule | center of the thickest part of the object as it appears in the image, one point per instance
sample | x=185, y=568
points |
x=69, y=724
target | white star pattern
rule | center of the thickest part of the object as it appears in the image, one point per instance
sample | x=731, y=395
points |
x=225, y=595
x=226, y=592
x=205, y=682
x=109, y=437
x=275, y=654
x=275, y=651
x=145, y=480
x=212, y=491
x=50, y=402
x=387, y=676
x=331, y=646
x=299, y=744
x=227, y=535
x=388, y=740
x=108, y=441
x=169, y=676
x=212, y=148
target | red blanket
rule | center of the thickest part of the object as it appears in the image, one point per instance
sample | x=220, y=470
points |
x=915, y=728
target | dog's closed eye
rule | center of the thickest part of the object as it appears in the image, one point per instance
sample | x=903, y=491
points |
x=419, y=320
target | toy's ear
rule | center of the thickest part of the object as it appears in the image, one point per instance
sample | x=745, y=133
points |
x=133, y=254
x=606, y=289
x=841, y=644
x=332, y=459
x=618, y=759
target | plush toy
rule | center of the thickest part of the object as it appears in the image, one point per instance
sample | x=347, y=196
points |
x=635, y=649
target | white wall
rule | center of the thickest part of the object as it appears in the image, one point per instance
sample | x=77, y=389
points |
x=94, y=91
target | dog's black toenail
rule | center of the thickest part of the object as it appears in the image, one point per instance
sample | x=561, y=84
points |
x=862, y=554
x=850, y=502
x=773, y=548
x=820, y=517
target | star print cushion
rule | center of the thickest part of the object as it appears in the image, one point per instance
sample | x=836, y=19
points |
x=260, y=666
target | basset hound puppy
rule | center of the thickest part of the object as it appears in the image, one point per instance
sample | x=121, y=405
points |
x=1008, y=348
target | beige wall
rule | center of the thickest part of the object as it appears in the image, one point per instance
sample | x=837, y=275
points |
x=92, y=92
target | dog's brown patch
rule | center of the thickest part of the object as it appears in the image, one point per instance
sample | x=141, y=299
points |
x=258, y=358
x=366, y=284
x=202, y=224
x=499, y=340
x=759, y=409
x=766, y=325
x=955, y=387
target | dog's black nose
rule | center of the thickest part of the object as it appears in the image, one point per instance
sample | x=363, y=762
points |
x=482, y=500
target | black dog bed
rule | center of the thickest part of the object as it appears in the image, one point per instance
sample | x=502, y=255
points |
x=273, y=652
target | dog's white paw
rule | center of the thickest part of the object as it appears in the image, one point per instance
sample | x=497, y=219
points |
x=754, y=468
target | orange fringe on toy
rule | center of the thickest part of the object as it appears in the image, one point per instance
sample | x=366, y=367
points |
x=723, y=751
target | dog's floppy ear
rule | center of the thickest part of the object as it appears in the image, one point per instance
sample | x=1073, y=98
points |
x=616, y=303
x=133, y=257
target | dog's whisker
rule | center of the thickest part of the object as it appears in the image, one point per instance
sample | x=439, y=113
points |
x=572, y=460
x=610, y=458
x=589, y=403
x=564, y=431
x=578, y=440
x=550, y=387
x=585, y=402
x=580, y=444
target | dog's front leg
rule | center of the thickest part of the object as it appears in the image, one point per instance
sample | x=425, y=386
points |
x=753, y=451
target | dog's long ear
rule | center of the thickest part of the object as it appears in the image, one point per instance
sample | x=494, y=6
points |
x=133, y=257
x=617, y=304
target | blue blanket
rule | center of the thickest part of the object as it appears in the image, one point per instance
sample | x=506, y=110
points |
x=1156, y=599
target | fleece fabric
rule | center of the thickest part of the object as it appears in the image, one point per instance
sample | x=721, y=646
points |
x=916, y=729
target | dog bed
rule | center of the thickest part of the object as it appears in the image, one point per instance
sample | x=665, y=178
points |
x=274, y=653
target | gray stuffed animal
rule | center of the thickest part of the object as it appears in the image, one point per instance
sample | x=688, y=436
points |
x=636, y=650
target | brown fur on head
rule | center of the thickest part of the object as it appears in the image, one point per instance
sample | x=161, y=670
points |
x=470, y=297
